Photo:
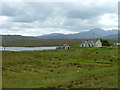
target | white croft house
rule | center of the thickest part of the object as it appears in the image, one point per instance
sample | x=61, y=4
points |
x=117, y=43
x=91, y=43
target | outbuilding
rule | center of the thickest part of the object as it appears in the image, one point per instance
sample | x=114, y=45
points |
x=64, y=46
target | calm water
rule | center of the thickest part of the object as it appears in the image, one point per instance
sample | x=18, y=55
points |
x=26, y=48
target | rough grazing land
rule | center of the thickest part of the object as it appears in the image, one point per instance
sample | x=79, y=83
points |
x=43, y=42
x=74, y=68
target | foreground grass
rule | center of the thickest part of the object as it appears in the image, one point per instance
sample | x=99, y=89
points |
x=74, y=68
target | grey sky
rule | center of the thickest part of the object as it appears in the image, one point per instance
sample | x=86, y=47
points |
x=38, y=18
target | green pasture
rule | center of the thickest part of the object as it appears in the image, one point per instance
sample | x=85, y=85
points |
x=73, y=68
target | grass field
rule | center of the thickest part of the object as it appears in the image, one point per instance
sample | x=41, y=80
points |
x=73, y=68
x=43, y=42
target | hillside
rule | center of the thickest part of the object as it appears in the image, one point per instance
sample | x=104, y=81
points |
x=42, y=42
x=56, y=39
x=16, y=37
x=112, y=37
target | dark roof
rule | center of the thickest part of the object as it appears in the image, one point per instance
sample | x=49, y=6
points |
x=117, y=42
x=90, y=41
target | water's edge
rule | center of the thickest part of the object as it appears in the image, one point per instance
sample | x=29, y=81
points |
x=25, y=48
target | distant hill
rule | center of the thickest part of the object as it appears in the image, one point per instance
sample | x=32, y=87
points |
x=98, y=33
x=53, y=36
x=16, y=37
x=112, y=37
x=94, y=33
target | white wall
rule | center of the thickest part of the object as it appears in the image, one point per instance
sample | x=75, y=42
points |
x=98, y=43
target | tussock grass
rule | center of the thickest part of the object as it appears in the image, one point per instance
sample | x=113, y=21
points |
x=73, y=68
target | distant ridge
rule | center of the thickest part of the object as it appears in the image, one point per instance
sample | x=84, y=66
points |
x=17, y=37
x=94, y=33
x=53, y=36
x=98, y=33
x=112, y=37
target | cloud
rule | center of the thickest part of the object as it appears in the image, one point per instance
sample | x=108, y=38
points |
x=43, y=18
x=109, y=20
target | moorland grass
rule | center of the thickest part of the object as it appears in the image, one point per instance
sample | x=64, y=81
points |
x=73, y=68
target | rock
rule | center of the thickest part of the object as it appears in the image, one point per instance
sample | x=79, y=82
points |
x=51, y=70
x=70, y=86
x=95, y=59
x=71, y=81
x=74, y=64
x=96, y=52
x=59, y=86
x=81, y=82
x=110, y=60
x=59, y=59
x=96, y=78
x=49, y=65
x=58, y=65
